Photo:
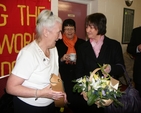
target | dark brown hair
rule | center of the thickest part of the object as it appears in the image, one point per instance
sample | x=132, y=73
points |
x=98, y=20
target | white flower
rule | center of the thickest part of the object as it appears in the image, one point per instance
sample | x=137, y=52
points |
x=79, y=80
x=95, y=84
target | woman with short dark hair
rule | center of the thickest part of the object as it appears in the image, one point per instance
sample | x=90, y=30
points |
x=99, y=49
x=67, y=47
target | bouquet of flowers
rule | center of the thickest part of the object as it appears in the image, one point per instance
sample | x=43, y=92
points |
x=98, y=89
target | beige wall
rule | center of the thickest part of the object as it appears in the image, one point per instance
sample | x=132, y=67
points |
x=113, y=9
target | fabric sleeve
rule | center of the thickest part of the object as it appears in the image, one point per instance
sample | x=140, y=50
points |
x=25, y=64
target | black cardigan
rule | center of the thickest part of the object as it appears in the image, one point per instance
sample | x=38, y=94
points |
x=110, y=53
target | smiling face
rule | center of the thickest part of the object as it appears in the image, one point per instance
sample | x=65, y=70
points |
x=91, y=31
x=96, y=25
x=69, y=31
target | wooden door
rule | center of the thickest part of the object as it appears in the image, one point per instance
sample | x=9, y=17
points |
x=75, y=11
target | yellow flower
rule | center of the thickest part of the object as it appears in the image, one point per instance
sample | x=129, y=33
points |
x=108, y=82
x=103, y=85
x=84, y=80
x=96, y=76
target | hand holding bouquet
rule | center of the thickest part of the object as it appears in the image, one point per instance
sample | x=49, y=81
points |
x=98, y=89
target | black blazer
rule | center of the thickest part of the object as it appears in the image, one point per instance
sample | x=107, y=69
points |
x=67, y=72
x=111, y=53
x=132, y=49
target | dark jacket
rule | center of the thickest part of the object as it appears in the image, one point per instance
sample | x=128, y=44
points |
x=110, y=53
x=132, y=49
x=67, y=71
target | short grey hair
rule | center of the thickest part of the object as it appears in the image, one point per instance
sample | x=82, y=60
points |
x=46, y=19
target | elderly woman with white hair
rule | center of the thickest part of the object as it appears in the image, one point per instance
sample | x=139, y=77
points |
x=29, y=80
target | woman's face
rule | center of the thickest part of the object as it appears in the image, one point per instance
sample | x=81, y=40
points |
x=54, y=34
x=91, y=31
x=69, y=31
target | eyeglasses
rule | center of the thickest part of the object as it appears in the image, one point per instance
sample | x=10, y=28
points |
x=69, y=29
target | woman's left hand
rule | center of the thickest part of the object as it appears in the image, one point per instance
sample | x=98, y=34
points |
x=107, y=69
x=84, y=95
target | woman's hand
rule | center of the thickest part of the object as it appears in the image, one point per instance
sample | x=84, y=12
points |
x=139, y=48
x=107, y=69
x=84, y=95
x=47, y=92
x=65, y=98
x=65, y=57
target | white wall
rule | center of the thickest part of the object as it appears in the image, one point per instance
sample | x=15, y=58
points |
x=54, y=6
x=113, y=9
